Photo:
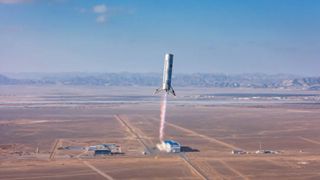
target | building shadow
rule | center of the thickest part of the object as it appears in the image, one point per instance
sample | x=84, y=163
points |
x=118, y=153
x=188, y=149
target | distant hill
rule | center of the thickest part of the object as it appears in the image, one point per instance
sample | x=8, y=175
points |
x=179, y=80
x=6, y=80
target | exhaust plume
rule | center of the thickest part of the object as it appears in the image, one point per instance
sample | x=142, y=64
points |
x=162, y=115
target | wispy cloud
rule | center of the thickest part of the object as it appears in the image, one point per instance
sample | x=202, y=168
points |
x=104, y=12
x=28, y=1
x=14, y=1
x=81, y=10
x=101, y=10
x=101, y=18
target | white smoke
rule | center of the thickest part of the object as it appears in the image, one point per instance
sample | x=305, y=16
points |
x=163, y=109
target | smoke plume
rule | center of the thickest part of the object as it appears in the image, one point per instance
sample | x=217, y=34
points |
x=162, y=115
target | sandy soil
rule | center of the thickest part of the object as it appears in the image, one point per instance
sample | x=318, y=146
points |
x=35, y=122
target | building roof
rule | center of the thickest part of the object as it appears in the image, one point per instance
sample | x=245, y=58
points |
x=102, y=151
x=172, y=142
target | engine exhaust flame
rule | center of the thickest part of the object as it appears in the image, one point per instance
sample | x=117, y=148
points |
x=162, y=115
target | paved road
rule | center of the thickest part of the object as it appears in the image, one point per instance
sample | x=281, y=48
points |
x=195, y=169
x=97, y=170
x=133, y=133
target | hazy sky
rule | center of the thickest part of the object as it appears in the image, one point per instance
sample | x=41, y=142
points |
x=225, y=36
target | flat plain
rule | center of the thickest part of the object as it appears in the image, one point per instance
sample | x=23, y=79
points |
x=36, y=121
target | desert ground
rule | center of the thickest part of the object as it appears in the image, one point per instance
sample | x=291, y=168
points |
x=36, y=122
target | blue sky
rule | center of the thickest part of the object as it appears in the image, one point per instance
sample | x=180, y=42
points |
x=209, y=36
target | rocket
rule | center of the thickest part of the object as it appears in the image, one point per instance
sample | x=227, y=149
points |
x=167, y=74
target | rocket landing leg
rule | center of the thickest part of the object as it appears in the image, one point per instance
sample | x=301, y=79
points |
x=170, y=91
x=157, y=91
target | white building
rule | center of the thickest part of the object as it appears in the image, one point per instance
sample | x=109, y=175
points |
x=238, y=151
x=266, y=152
x=171, y=146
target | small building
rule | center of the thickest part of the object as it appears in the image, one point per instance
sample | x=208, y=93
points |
x=171, y=146
x=91, y=148
x=103, y=149
x=266, y=152
x=238, y=151
x=102, y=152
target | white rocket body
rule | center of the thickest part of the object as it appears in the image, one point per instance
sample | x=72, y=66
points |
x=167, y=75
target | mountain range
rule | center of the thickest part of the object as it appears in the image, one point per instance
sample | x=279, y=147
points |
x=154, y=79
